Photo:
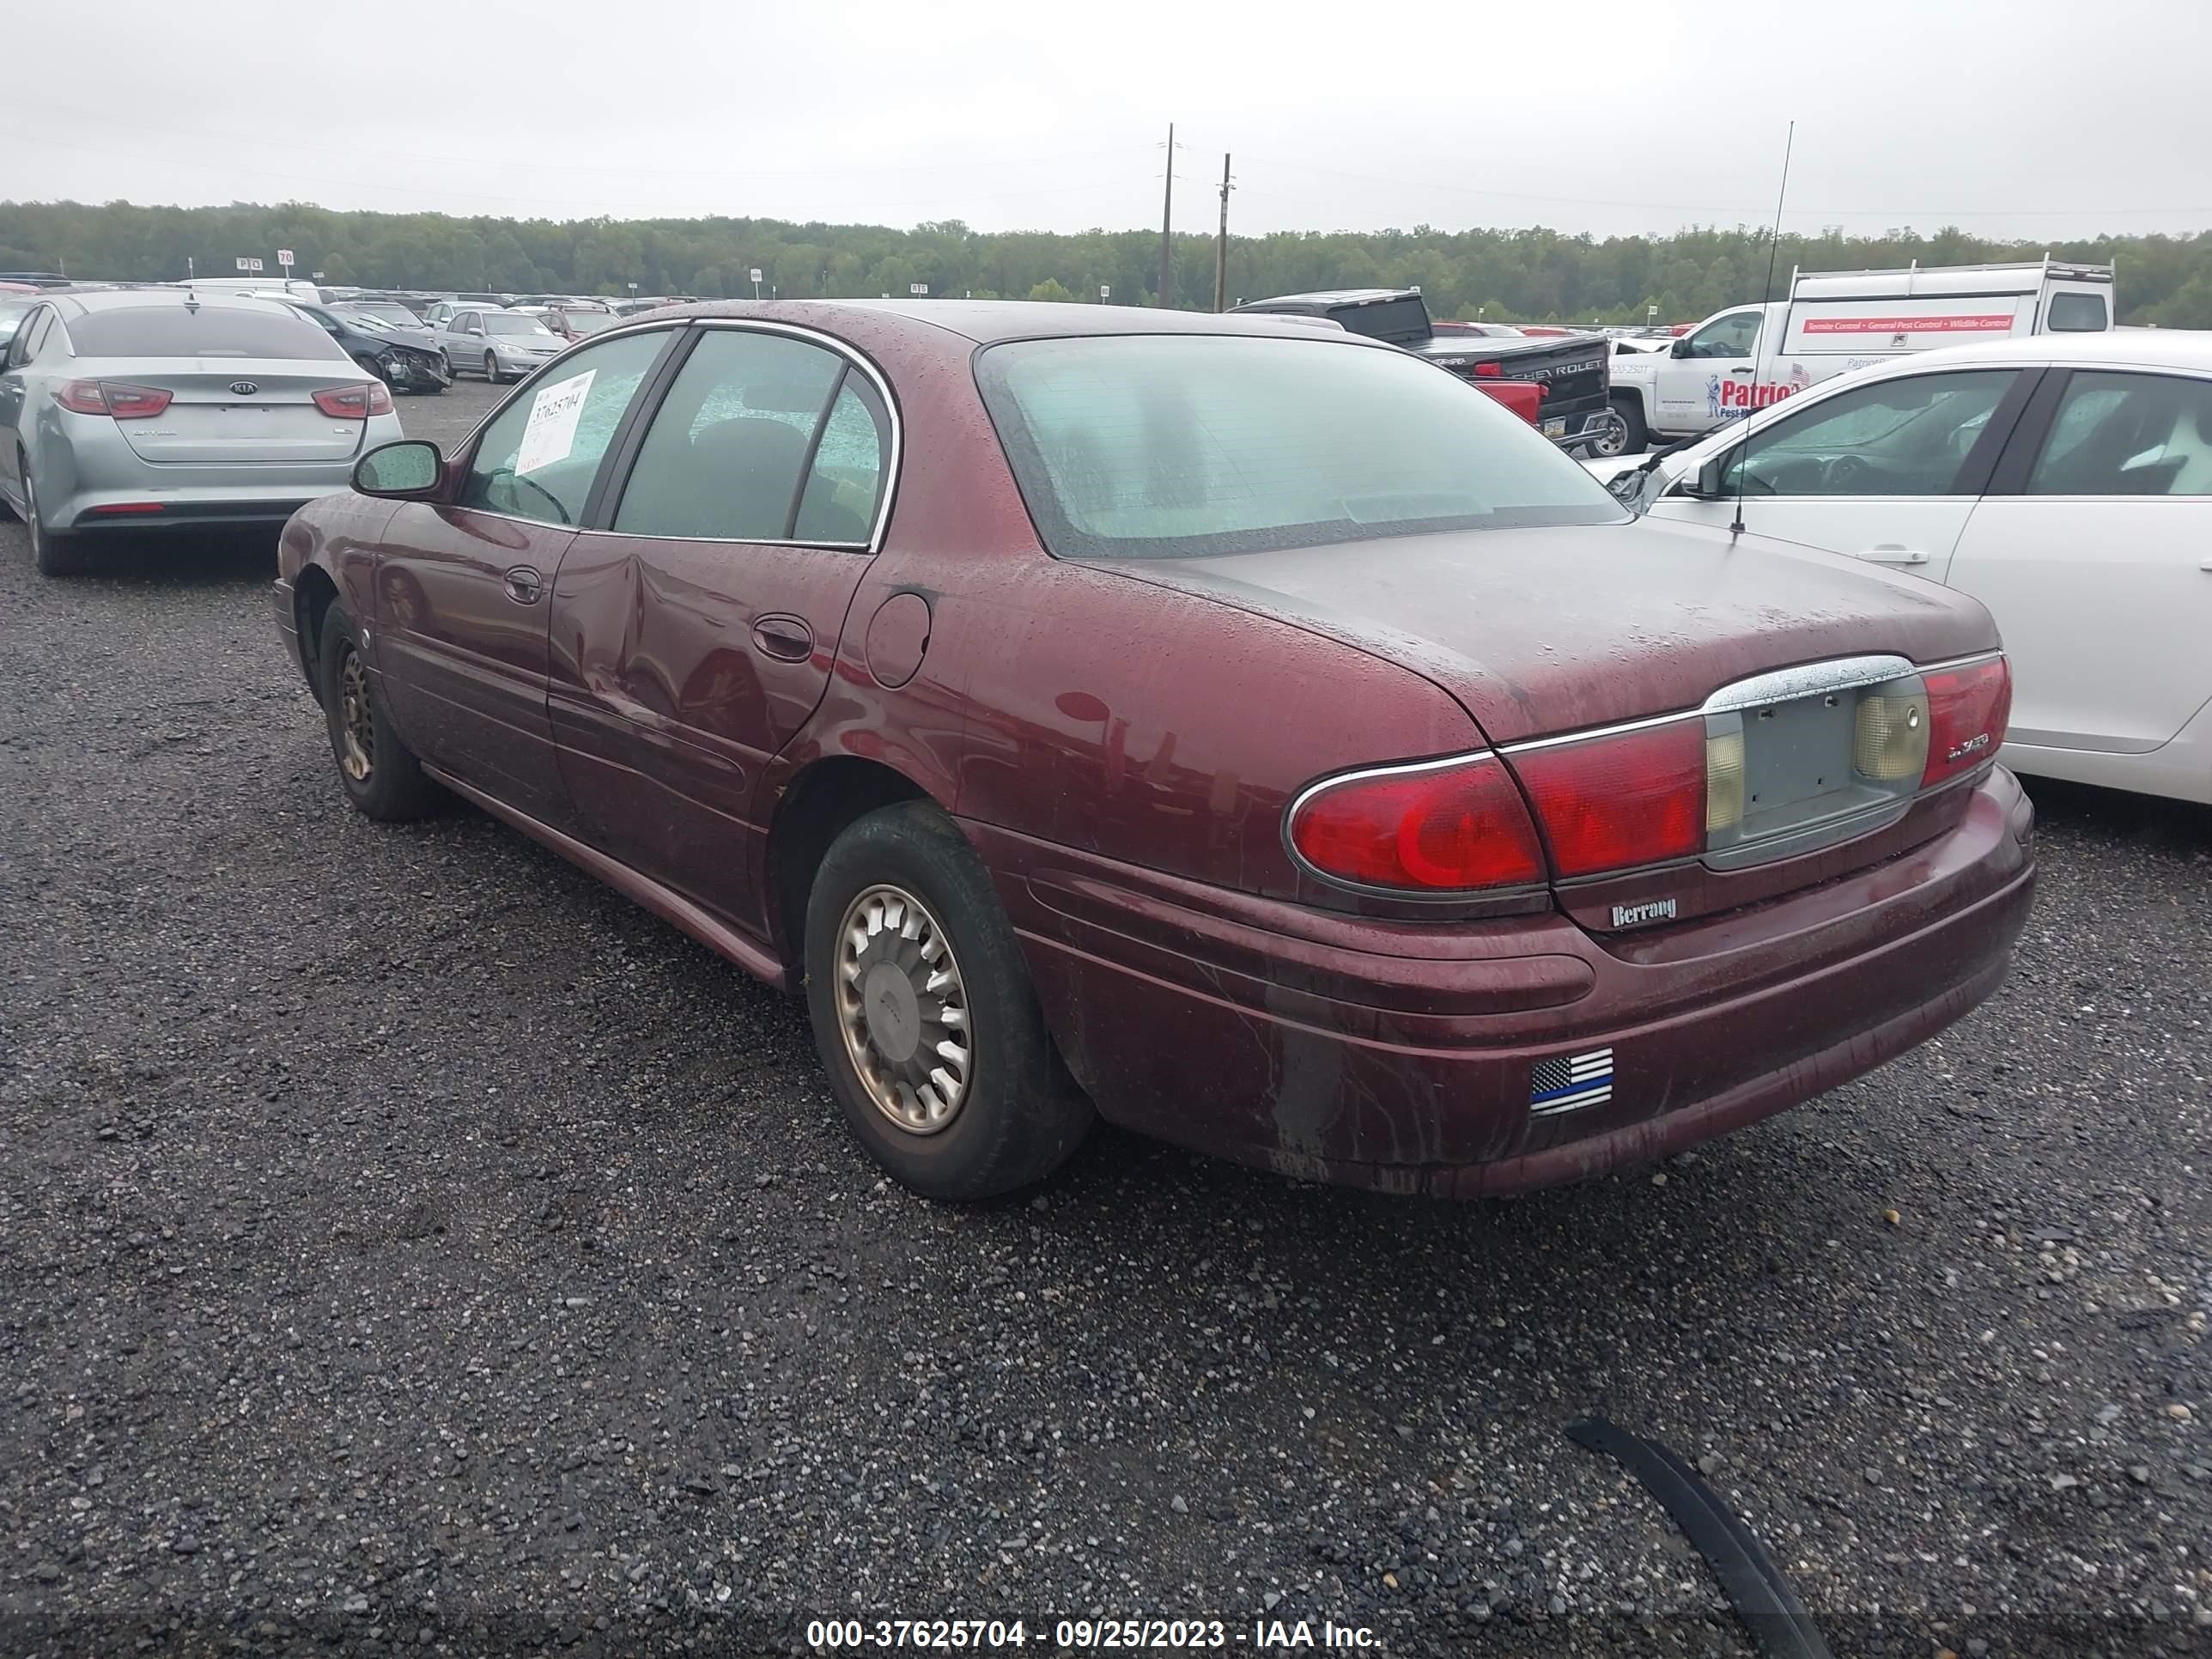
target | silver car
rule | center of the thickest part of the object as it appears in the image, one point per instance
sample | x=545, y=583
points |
x=137, y=409
x=499, y=345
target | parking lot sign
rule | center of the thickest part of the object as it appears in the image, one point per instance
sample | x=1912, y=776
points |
x=917, y=288
x=283, y=256
x=249, y=264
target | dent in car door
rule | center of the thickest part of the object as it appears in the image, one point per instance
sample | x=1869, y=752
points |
x=462, y=587
x=2094, y=554
x=695, y=636
x=1886, y=472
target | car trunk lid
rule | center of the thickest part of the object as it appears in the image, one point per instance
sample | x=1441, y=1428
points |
x=1545, y=634
x=227, y=410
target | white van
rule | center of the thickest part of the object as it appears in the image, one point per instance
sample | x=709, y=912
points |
x=1749, y=356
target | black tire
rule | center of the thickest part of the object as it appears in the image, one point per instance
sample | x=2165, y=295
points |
x=393, y=788
x=1635, y=433
x=491, y=369
x=1021, y=1115
x=54, y=552
x=368, y=366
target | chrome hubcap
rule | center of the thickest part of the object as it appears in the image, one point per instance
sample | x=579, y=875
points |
x=903, y=1010
x=356, y=727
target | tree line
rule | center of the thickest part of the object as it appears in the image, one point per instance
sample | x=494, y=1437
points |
x=1527, y=275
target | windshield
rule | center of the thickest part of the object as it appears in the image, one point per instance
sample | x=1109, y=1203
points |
x=390, y=313
x=12, y=313
x=508, y=322
x=1161, y=447
x=587, y=322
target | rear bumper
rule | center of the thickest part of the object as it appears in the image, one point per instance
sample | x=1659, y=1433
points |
x=215, y=510
x=1400, y=1057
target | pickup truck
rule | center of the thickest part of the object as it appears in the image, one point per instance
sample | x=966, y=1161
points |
x=1573, y=373
x=1749, y=356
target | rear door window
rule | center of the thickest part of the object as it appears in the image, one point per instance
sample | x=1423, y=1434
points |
x=2128, y=435
x=206, y=331
x=540, y=455
x=761, y=438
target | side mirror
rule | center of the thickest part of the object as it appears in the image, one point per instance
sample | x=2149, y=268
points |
x=408, y=470
x=1710, y=482
x=1681, y=348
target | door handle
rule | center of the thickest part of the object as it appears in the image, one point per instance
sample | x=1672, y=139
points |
x=784, y=638
x=1888, y=553
x=524, y=585
x=1739, y=372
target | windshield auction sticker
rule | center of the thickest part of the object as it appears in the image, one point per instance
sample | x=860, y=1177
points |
x=550, y=433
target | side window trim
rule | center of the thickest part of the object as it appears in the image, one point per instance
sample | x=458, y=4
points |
x=2030, y=434
x=630, y=437
x=606, y=495
x=813, y=449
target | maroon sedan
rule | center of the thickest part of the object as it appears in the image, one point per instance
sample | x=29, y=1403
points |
x=1246, y=732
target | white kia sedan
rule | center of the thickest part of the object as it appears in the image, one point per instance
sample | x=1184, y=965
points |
x=2065, y=481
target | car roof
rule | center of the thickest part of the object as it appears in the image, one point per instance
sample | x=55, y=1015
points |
x=987, y=321
x=87, y=301
x=2147, y=347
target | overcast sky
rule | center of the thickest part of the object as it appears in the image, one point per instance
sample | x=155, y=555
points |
x=2011, y=118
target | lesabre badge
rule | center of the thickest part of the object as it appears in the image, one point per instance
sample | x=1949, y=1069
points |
x=1565, y=1083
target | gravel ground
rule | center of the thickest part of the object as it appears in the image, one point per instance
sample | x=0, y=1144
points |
x=406, y=1244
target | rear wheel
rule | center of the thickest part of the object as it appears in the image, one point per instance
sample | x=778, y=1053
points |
x=369, y=366
x=925, y=1016
x=1631, y=435
x=55, y=553
x=379, y=772
x=491, y=368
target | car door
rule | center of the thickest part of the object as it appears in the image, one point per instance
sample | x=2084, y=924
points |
x=693, y=634
x=1887, y=471
x=461, y=584
x=461, y=350
x=1690, y=377
x=2093, y=551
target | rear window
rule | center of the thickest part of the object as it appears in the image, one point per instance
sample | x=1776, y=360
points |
x=1162, y=447
x=1386, y=319
x=2078, y=313
x=203, y=331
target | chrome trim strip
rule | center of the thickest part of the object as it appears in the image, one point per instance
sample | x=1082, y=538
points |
x=1805, y=680
x=1764, y=689
x=1421, y=896
x=849, y=353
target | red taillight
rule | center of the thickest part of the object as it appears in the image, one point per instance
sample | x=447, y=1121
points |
x=1444, y=827
x=1968, y=709
x=125, y=403
x=355, y=402
x=1614, y=803
x=1489, y=371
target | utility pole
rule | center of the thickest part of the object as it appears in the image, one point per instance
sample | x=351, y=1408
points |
x=1221, y=242
x=1167, y=224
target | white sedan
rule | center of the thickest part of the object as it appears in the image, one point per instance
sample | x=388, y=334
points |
x=2065, y=481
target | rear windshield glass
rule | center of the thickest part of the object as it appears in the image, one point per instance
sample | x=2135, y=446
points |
x=1163, y=446
x=2076, y=314
x=205, y=332
x=1386, y=319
